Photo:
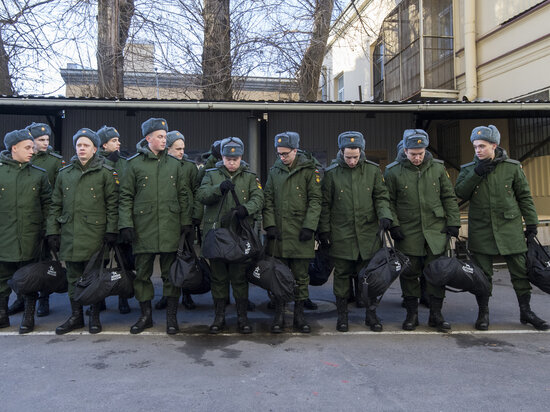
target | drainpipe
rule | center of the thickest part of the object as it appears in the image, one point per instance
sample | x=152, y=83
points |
x=470, y=52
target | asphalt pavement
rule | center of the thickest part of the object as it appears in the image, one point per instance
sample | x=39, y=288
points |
x=506, y=368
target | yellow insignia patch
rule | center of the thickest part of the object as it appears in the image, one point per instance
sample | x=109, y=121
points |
x=447, y=174
x=352, y=139
x=232, y=149
x=318, y=180
x=280, y=140
x=83, y=131
x=163, y=123
x=258, y=183
x=116, y=131
x=479, y=132
x=43, y=129
x=419, y=141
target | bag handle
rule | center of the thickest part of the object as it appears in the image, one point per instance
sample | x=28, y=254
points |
x=119, y=257
x=537, y=242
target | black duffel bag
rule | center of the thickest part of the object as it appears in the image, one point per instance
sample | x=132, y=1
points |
x=98, y=281
x=385, y=266
x=237, y=243
x=271, y=274
x=538, y=265
x=188, y=271
x=46, y=276
x=458, y=275
x=320, y=267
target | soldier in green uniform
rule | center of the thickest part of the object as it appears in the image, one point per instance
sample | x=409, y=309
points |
x=109, y=138
x=355, y=207
x=82, y=217
x=24, y=202
x=291, y=215
x=153, y=213
x=231, y=173
x=45, y=158
x=175, y=144
x=499, y=197
x=425, y=212
x=210, y=159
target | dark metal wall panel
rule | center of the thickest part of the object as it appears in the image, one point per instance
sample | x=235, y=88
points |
x=319, y=131
x=199, y=128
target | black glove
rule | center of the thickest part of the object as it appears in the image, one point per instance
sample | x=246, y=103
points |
x=110, y=238
x=305, y=234
x=452, y=230
x=396, y=233
x=114, y=156
x=385, y=223
x=272, y=233
x=226, y=186
x=188, y=232
x=530, y=231
x=324, y=239
x=241, y=212
x=54, y=242
x=127, y=235
x=484, y=167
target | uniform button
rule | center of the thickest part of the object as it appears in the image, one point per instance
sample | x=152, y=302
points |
x=34, y=188
x=146, y=178
x=144, y=185
x=91, y=188
x=66, y=188
x=406, y=187
x=244, y=198
x=171, y=177
x=297, y=188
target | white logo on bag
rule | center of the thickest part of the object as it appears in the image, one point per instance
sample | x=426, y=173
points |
x=51, y=271
x=547, y=264
x=256, y=273
x=397, y=265
x=115, y=276
x=247, y=248
x=468, y=269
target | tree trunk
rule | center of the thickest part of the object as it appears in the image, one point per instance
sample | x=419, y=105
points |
x=310, y=69
x=6, y=86
x=113, y=21
x=216, y=54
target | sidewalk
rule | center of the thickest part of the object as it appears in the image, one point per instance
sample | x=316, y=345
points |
x=460, y=309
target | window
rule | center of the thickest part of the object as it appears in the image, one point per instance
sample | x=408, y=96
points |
x=340, y=87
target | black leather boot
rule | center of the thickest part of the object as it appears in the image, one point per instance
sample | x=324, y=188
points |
x=482, y=322
x=75, y=321
x=242, y=318
x=172, y=316
x=219, y=318
x=278, y=324
x=411, y=321
x=526, y=315
x=342, y=309
x=4, y=318
x=145, y=320
x=370, y=317
x=436, y=319
x=17, y=306
x=94, y=323
x=300, y=323
x=123, y=306
x=43, y=306
x=161, y=303
x=187, y=301
x=27, y=322
x=102, y=307
x=310, y=305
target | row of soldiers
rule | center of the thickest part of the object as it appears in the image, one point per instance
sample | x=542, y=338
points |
x=157, y=195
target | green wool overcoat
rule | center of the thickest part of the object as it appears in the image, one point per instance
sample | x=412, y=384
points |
x=24, y=203
x=423, y=203
x=84, y=208
x=293, y=202
x=353, y=202
x=247, y=188
x=154, y=200
x=50, y=161
x=497, y=203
